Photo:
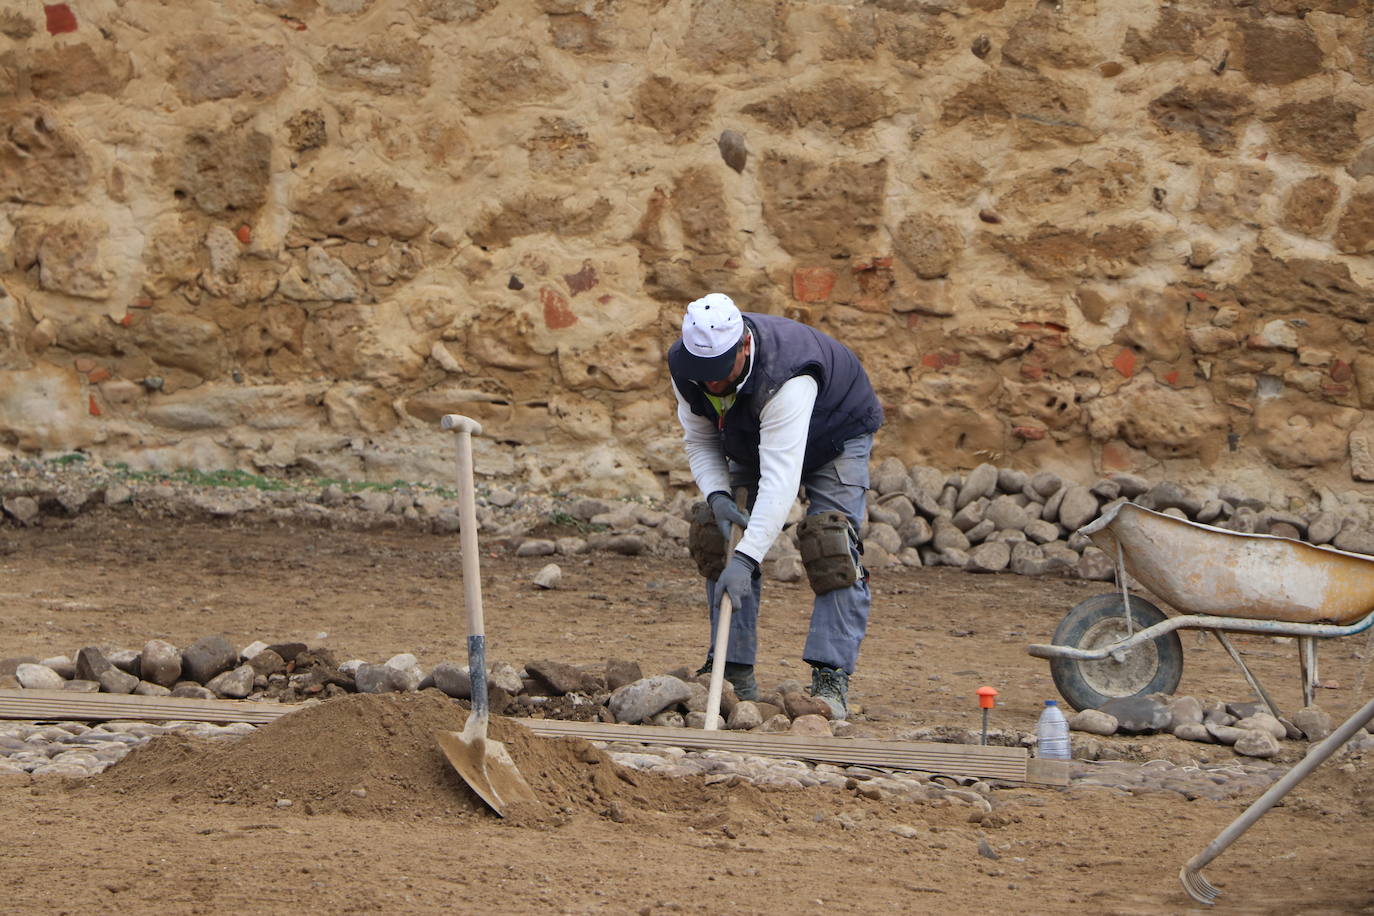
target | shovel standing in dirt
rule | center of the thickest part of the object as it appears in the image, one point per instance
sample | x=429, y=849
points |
x=484, y=764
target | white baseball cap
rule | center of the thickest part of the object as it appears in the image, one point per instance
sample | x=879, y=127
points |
x=712, y=330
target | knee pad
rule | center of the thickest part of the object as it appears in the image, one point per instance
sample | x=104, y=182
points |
x=827, y=543
x=704, y=542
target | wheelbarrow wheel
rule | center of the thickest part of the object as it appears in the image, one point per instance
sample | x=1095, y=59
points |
x=1150, y=667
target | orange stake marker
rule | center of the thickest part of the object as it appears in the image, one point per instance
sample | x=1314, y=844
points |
x=987, y=698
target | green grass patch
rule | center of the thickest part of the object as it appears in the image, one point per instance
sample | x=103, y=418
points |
x=562, y=520
x=238, y=479
x=68, y=459
x=235, y=478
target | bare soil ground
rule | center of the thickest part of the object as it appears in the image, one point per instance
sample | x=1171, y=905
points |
x=179, y=828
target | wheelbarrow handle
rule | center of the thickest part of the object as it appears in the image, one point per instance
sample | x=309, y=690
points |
x=1204, y=622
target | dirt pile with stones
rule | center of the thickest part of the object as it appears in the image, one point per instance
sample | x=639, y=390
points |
x=376, y=756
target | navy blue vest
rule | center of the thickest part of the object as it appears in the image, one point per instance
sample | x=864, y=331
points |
x=784, y=349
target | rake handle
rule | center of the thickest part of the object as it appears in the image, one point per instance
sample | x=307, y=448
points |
x=464, y=428
x=1316, y=756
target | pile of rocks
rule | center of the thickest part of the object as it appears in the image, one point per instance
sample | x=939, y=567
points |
x=988, y=520
x=76, y=749
x=996, y=519
x=1248, y=727
x=1217, y=781
x=211, y=668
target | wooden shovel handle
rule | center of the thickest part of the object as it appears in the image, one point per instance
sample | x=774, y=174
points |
x=465, y=428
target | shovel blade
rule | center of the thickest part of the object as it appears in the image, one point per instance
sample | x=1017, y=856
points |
x=486, y=767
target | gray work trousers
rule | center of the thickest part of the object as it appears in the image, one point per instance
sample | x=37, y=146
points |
x=839, y=618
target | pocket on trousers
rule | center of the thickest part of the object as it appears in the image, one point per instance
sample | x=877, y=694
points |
x=852, y=471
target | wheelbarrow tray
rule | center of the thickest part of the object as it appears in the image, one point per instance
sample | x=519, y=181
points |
x=1201, y=569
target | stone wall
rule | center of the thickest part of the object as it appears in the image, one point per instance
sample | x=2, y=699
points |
x=1088, y=236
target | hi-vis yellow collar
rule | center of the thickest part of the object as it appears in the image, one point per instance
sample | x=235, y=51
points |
x=721, y=404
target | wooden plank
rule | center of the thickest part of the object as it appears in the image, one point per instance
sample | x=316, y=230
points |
x=1042, y=772
x=1003, y=763
x=63, y=705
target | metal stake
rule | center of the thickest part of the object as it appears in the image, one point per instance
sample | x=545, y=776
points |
x=987, y=697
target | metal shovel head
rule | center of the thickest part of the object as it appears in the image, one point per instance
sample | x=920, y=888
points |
x=485, y=766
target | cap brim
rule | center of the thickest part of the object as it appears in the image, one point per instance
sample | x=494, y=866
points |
x=702, y=368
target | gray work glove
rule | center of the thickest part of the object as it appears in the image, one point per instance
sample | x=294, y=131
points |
x=726, y=513
x=738, y=579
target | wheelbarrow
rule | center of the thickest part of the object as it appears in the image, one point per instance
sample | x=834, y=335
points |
x=1121, y=645
x=1118, y=645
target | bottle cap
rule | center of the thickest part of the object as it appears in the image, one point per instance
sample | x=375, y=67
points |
x=1051, y=702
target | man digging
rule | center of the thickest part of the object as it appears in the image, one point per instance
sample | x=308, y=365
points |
x=772, y=405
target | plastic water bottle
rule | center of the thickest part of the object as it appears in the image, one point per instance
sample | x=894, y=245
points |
x=1053, y=733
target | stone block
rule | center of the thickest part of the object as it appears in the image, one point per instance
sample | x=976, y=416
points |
x=744, y=716
x=989, y=557
x=1313, y=722
x=642, y=699
x=948, y=536
x=980, y=532
x=1006, y=514
x=1361, y=457
x=1194, y=732
x=980, y=484
x=971, y=514
x=812, y=725
x=1214, y=119
x=549, y=577
x=1276, y=53
x=1265, y=722
x=207, y=657
x=1094, y=722
x=1254, y=743
x=1046, y=484
x=38, y=677
x=812, y=284
x=1094, y=564
x=561, y=678
x=1184, y=710
x=234, y=684
x=1139, y=715
x=1354, y=538
x=1010, y=480
x=453, y=680
x=1078, y=507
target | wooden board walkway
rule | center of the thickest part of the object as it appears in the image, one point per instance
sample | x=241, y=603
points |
x=1006, y=764
x=68, y=705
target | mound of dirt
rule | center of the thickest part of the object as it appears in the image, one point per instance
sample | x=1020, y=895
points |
x=375, y=755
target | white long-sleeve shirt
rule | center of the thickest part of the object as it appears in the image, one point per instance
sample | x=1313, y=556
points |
x=783, y=427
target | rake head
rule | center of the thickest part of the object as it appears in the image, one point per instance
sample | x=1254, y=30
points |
x=1198, y=887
